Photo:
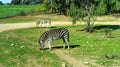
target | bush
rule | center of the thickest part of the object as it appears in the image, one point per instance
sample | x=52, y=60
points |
x=22, y=13
x=42, y=9
x=32, y=12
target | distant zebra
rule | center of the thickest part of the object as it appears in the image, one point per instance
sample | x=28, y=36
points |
x=59, y=33
x=43, y=21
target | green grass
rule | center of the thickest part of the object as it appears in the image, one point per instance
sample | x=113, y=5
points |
x=92, y=46
x=18, y=19
x=14, y=10
x=19, y=48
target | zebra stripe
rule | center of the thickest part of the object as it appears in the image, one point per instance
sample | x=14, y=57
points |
x=60, y=33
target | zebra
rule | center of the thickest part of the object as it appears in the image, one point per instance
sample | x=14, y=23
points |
x=54, y=34
x=43, y=21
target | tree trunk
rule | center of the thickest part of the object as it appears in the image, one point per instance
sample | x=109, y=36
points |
x=88, y=28
x=73, y=21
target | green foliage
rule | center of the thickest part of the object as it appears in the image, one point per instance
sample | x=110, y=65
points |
x=92, y=47
x=26, y=2
x=59, y=6
x=52, y=6
x=32, y=12
x=75, y=13
x=118, y=6
x=1, y=3
x=16, y=2
x=101, y=9
x=111, y=5
x=19, y=48
x=42, y=8
x=22, y=13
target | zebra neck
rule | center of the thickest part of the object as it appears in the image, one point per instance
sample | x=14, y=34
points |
x=43, y=39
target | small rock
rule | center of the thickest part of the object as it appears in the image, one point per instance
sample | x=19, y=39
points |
x=86, y=63
x=12, y=44
x=64, y=65
x=18, y=56
x=22, y=46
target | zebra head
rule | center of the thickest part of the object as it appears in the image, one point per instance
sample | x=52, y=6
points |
x=41, y=43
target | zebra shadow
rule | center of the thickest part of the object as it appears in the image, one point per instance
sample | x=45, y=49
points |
x=61, y=47
x=52, y=27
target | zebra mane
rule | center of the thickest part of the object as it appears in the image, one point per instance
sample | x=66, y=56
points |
x=44, y=35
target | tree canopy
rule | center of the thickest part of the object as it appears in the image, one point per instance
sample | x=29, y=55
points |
x=86, y=10
x=1, y=3
x=27, y=2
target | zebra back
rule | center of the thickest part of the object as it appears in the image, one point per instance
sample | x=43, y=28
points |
x=54, y=34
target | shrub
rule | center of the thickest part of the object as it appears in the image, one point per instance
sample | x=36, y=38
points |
x=22, y=13
x=42, y=9
x=32, y=12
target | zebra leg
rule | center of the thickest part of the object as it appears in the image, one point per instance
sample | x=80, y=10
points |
x=37, y=24
x=41, y=24
x=63, y=43
x=50, y=44
x=49, y=23
x=66, y=42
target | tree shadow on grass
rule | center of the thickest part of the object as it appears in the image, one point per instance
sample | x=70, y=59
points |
x=61, y=47
x=113, y=27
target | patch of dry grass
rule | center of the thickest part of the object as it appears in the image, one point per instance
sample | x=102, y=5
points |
x=54, y=17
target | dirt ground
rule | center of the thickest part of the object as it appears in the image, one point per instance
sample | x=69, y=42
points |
x=11, y=26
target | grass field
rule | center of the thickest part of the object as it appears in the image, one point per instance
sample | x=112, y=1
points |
x=16, y=51
x=14, y=10
x=19, y=48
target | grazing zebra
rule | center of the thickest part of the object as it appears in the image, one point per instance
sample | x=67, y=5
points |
x=43, y=21
x=59, y=33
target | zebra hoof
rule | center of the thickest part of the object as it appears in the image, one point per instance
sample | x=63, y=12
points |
x=50, y=49
x=41, y=48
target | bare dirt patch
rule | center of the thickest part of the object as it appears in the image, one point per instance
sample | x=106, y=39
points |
x=74, y=62
x=1, y=65
x=31, y=62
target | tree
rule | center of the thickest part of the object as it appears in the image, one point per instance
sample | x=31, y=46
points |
x=27, y=2
x=87, y=10
x=43, y=7
x=1, y=3
x=60, y=6
x=75, y=13
x=118, y=6
x=16, y=2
